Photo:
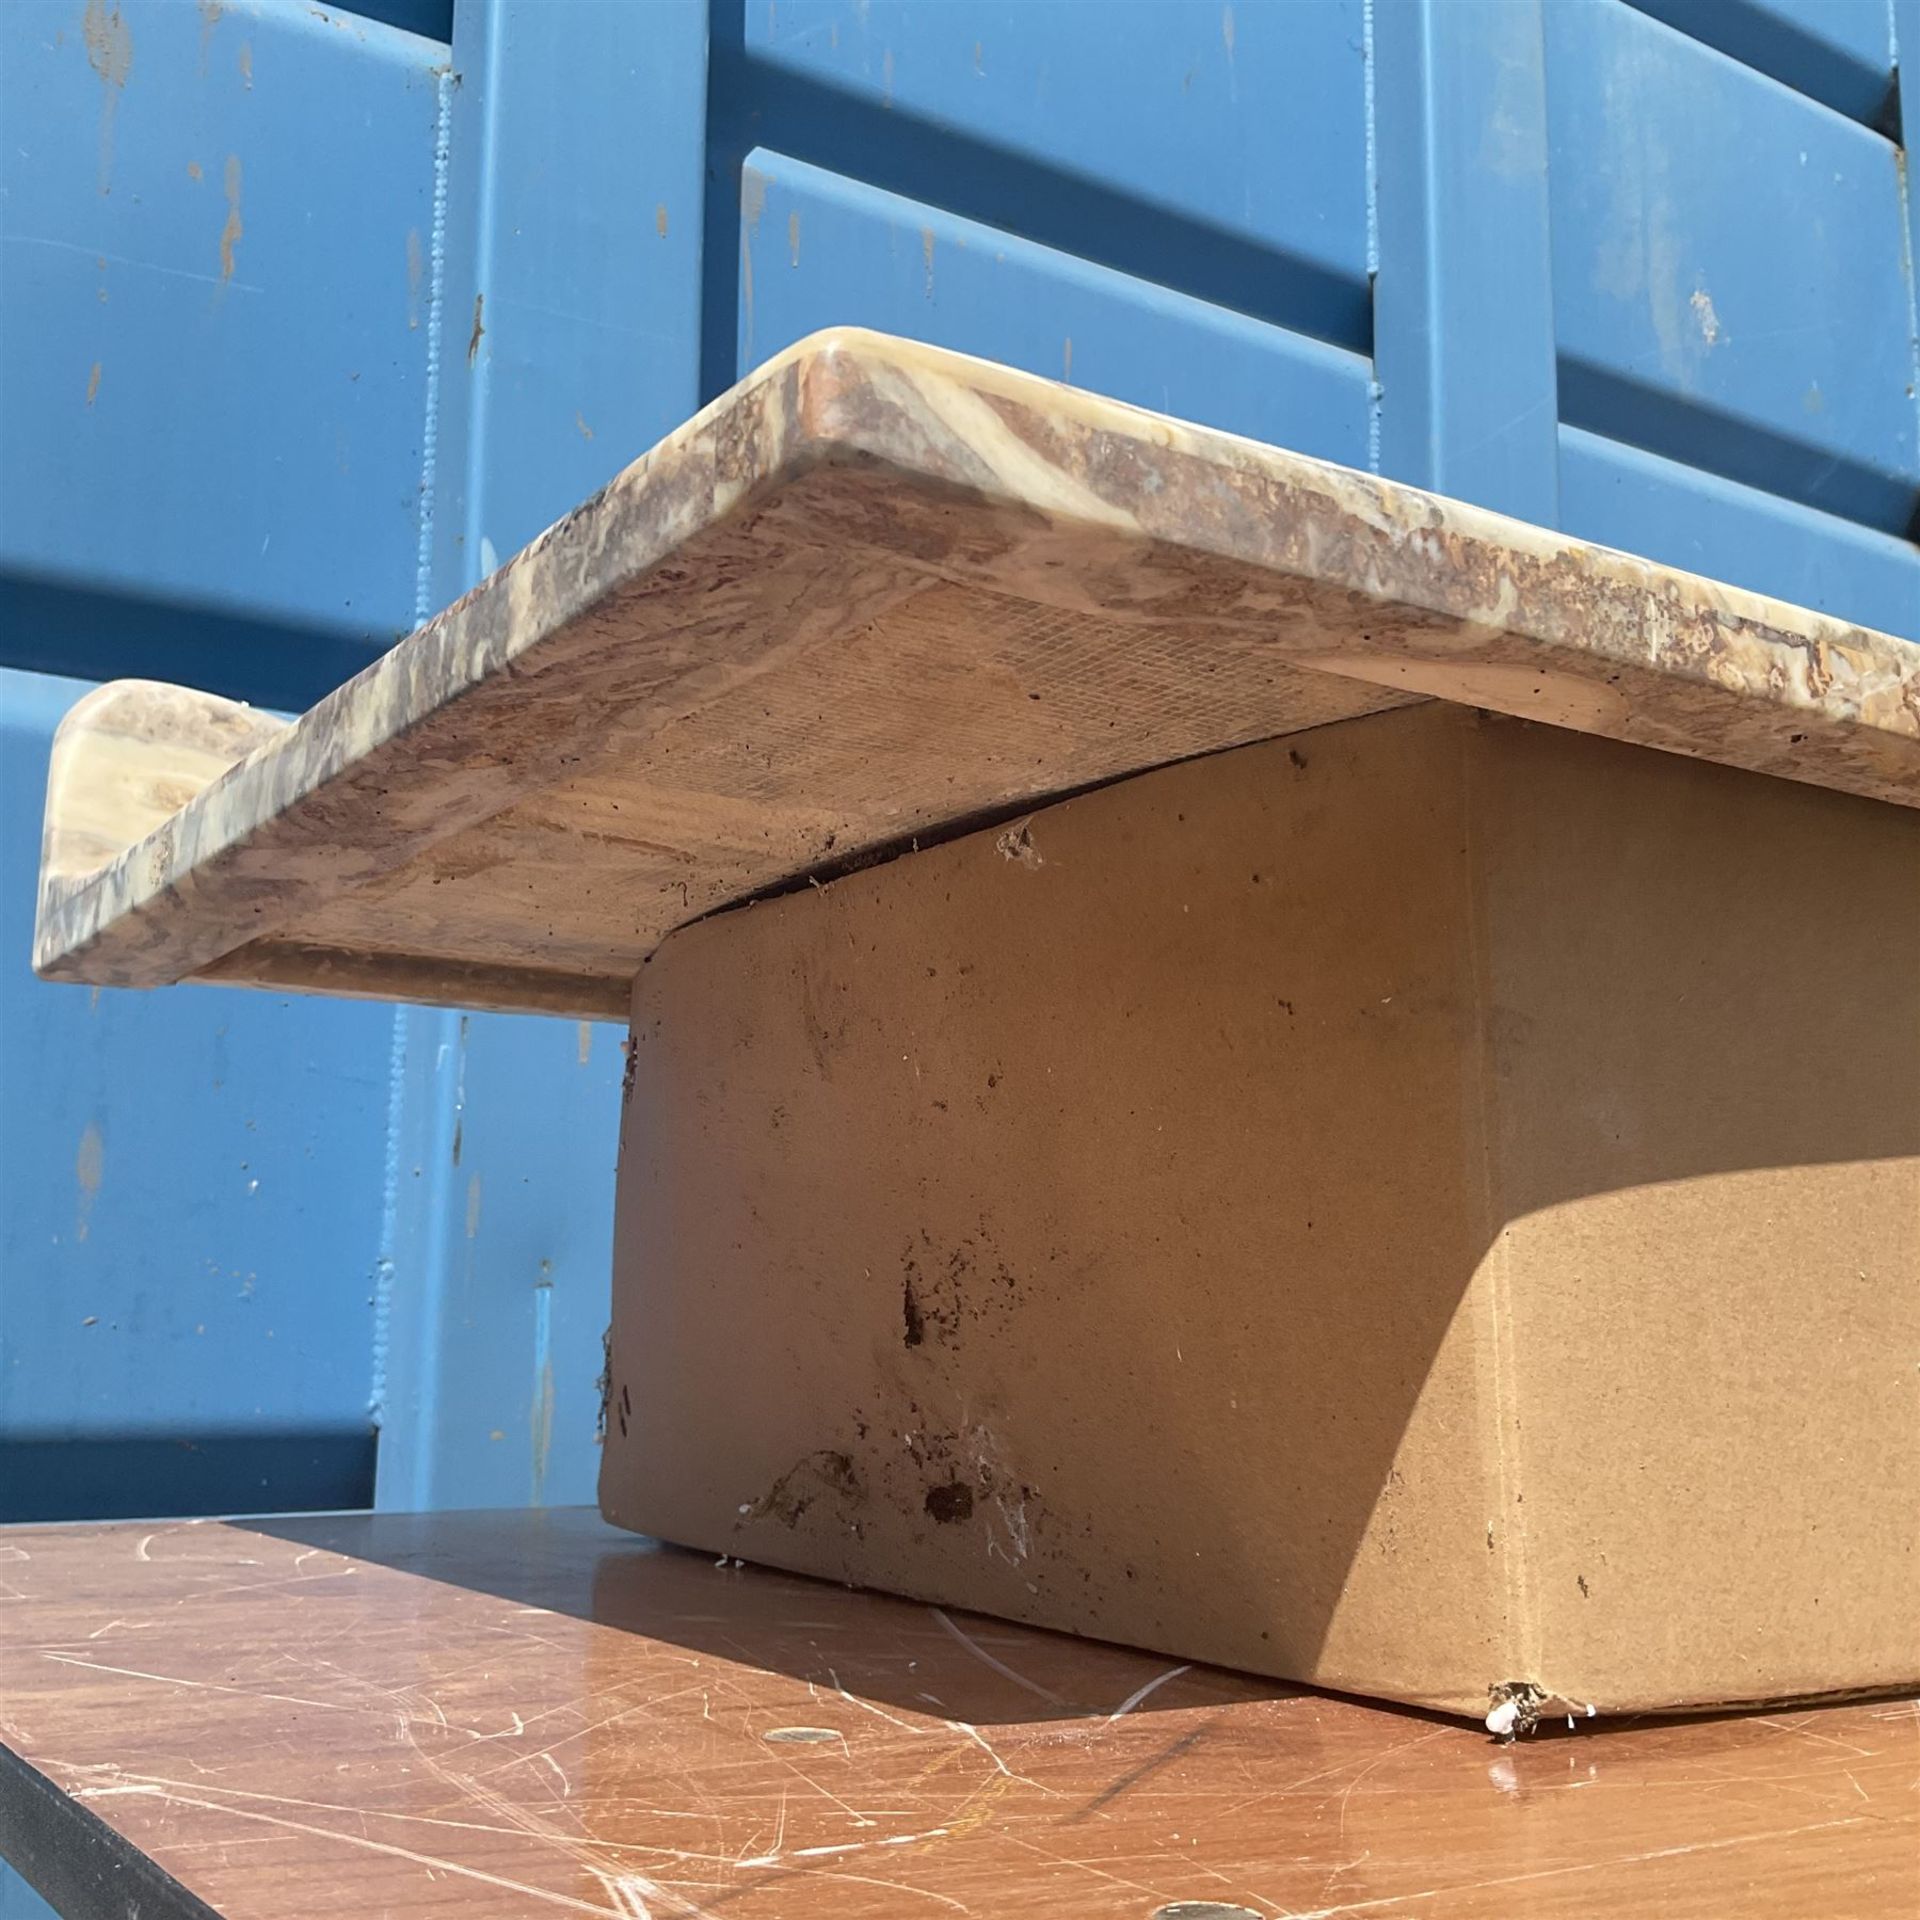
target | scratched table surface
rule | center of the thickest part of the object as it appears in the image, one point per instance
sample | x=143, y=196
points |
x=516, y=1714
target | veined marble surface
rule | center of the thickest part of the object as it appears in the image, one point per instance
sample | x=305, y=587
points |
x=875, y=591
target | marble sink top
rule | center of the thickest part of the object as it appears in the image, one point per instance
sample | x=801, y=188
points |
x=876, y=594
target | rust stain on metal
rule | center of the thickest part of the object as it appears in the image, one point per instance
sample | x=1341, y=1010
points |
x=246, y=64
x=194, y=171
x=230, y=233
x=660, y=219
x=109, y=43
x=89, y=1169
x=93, y=384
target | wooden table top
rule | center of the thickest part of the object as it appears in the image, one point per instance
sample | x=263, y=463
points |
x=876, y=592
x=518, y=1714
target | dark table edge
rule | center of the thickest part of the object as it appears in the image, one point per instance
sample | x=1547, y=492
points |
x=76, y=1862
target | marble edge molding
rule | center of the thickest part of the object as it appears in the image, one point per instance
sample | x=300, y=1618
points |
x=1471, y=606
x=1077, y=501
x=127, y=756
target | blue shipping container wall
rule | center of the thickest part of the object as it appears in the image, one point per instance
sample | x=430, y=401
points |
x=310, y=316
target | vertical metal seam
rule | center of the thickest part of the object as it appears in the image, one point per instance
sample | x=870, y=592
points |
x=385, y=1262
x=1903, y=176
x=1373, y=234
x=476, y=557
x=423, y=595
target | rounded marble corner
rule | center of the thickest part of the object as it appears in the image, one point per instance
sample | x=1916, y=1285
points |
x=125, y=759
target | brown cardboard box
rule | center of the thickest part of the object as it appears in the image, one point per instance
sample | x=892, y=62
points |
x=1426, y=1206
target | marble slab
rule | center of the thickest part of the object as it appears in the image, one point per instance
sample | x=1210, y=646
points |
x=875, y=595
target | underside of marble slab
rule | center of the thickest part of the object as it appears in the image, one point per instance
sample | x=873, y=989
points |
x=875, y=594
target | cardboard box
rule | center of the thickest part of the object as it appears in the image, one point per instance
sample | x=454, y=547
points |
x=1429, y=1206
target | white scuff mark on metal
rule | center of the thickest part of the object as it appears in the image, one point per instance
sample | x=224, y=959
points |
x=1701, y=301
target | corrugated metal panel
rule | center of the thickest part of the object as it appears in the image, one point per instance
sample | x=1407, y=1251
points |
x=507, y=1243
x=191, y=1221
x=1730, y=282
x=215, y=403
x=214, y=390
x=1215, y=149
x=817, y=247
x=1839, y=52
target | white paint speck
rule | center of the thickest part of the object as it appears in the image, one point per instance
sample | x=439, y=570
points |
x=1701, y=301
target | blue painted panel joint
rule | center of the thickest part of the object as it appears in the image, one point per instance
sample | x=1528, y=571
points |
x=1464, y=324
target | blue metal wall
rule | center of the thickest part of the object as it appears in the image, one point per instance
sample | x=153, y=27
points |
x=213, y=409
x=307, y=317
